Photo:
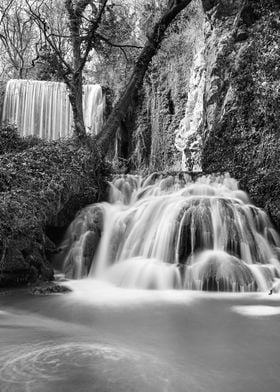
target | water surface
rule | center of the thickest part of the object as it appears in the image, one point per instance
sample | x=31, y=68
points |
x=101, y=338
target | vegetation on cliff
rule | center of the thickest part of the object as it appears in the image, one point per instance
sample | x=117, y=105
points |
x=47, y=183
x=42, y=186
x=11, y=141
x=244, y=136
x=162, y=102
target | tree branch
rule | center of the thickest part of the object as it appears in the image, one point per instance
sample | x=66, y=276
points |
x=91, y=32
x=129, y=94
x=44, y=28
x=6, y=9
x=107, y=40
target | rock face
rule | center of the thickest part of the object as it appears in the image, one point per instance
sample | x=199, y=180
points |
x=165, y=94
x=239, y=128
x=242, y=97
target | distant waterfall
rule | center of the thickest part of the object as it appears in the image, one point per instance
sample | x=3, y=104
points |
x=174, y=233
x=43, y=109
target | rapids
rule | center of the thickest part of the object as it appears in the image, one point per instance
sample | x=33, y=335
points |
x=42, y=109
x=174, y=233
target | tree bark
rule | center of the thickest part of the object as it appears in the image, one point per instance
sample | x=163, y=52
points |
x=76, y=100
x=127, y=98
x=75, y=84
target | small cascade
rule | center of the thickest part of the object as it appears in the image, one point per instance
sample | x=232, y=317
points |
x=43, y=109
x=188, y=135
x=174, y=233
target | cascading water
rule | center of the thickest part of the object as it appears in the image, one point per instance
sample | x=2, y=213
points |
x=188, y=135
x=174, y=233
x=43, y=109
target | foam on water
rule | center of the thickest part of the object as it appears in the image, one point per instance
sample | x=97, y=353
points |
x=257, y=310
x=40, y=367
x=174, y=233
x=107, y=295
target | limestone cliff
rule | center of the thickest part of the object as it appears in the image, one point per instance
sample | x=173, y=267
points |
x=242, y=97
x=165, y=94
x=238, y=100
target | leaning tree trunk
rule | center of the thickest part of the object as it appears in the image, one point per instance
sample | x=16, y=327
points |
x=151, y=47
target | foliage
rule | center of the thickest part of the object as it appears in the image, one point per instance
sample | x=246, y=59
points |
x=11, y=141
x=130, y=22
x=73, y=32
x=46, y=65
x=37, y=185
x=245, y=139
x=163, y=101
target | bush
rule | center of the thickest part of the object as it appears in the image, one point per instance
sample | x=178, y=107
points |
x=11, y=141
x=42, y=186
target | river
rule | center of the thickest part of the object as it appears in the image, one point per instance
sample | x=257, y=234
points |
x=105, y=339
x=137, y=319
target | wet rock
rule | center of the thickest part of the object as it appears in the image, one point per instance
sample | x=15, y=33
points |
x=15, y=270
x=80, y=255
x=49, y=288
x=38, y=263
x=91, y=242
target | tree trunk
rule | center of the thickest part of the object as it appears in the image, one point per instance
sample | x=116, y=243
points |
x=127, y=98
x=76, y=100
x=75, y=84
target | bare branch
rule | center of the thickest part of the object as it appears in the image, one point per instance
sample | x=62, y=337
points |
x=107, y=40
x=100, y=13
x=6, y=9
x=91, y=32
x=41, y=23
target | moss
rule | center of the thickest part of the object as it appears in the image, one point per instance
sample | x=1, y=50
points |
x=37, y=186
x=164, y=96
x=11, y=141
x=245, y=138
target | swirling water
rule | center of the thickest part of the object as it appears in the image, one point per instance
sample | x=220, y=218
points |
x=104, y=339
x=132, y=323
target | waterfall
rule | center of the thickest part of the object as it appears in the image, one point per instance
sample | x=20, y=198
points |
x=174, y=233
x=43, y=109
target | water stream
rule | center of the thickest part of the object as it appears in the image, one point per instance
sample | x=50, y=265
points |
x=105, y=339
x=174, y=233
x=137, y=318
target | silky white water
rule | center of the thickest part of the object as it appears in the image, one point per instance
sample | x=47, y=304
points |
x=43, y=109
x=174, y=233
x=112, y=334
x=104, y=338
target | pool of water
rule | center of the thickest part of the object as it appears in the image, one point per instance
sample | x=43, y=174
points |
x=100, y=338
